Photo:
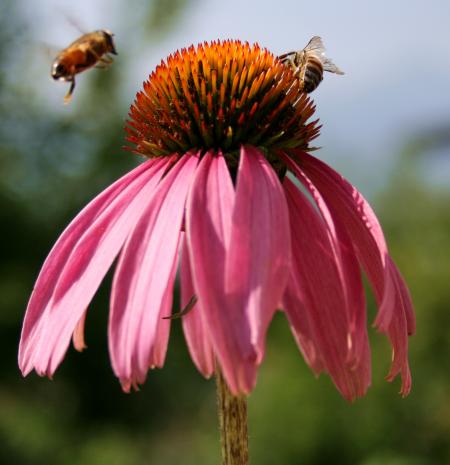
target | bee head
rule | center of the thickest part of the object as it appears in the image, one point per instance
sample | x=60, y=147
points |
x=59, y=71
x=108, y=35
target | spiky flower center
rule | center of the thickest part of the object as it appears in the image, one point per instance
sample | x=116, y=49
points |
x=220, y=95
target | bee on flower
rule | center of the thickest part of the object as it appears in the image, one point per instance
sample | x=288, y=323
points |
x=224, y=130
x=309, y=64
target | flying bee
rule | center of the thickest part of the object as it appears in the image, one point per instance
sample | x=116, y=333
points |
x=309, y=64
x=92, y=49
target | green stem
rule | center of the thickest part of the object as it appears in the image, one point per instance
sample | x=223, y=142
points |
x=232, y=412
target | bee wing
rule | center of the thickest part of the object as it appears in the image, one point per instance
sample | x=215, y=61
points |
x=49, y=50
x=329, y=66
x=70, y=19
x=315, y=46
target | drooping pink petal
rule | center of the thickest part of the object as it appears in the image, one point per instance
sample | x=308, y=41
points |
x=259, y=253
x=144, y=276
x=297, y=316
x=58, y=256
x=317, y=274
x=194, y=327
x=350, y=209
x=77, y=264
x=405, y=296
x=239, y=248
x=358, y=341
x=402, y=324
x=208, y=232
x=398, y=337
x=78, y=334
x=159, y=348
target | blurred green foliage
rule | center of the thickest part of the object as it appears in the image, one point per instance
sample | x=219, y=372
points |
x=52, y=165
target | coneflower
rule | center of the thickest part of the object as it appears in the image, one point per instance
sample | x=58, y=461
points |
x=229, y=198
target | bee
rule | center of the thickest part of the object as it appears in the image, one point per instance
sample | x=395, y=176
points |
x=309, y=64
x=92, y=49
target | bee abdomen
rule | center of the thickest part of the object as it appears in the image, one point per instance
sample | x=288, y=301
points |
x=313, y=75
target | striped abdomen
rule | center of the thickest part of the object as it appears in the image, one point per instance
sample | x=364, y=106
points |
x=312, y=75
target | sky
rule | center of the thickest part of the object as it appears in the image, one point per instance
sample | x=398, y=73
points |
x=396, y=56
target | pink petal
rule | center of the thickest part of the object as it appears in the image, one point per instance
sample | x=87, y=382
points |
x=61, y=251
x=249, y=233
x=297, y=316
x=350, y=209
x=402, y=324
x=76, y=265
x=144, y=276
x=78, y=334
x=208, y=232
x=398, y=336
x=259, y=254
x=159, y=348
x=405, y=297
x=358, y=342
x=194, y=326
x=317, y=273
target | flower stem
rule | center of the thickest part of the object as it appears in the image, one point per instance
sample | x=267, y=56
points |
x=232, y=412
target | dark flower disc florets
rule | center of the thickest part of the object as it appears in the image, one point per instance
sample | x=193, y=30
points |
x=220, y=95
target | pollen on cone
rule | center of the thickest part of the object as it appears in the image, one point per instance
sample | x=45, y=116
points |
x=220, y=95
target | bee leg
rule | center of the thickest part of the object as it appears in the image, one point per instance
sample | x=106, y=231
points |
x=292, y=62
x=296, y=68
x=107, y=59
x=184, y=311
x=68, y=96
x=104, y=62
